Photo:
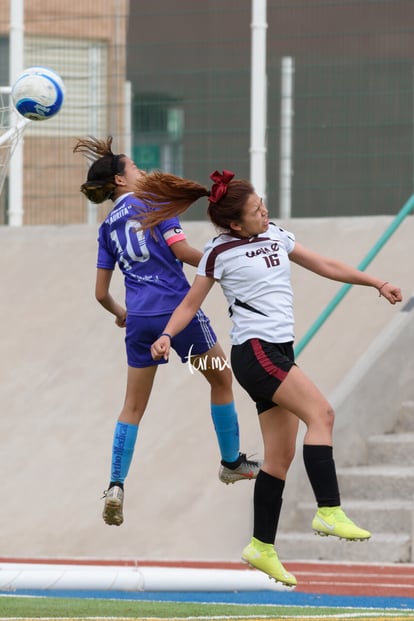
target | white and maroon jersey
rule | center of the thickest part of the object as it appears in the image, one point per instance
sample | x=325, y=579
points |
x=254, y=274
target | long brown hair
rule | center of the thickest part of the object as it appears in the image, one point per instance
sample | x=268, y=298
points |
x=173, y=195
x=100, y=183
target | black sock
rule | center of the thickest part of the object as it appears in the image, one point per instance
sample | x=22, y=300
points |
x=320, y=468
x=232, y=465
x=267, y=503
x=118, y=483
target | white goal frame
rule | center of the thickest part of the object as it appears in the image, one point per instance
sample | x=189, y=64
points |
x=12, y=126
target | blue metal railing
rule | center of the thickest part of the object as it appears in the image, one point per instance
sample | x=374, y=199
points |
x=403, y=213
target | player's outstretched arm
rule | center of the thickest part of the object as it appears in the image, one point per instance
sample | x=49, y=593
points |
x=182, y=316
x=336, y=270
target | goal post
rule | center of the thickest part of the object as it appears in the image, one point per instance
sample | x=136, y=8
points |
x=12, y=126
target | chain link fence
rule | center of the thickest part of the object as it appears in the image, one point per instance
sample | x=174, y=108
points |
x=171, y=83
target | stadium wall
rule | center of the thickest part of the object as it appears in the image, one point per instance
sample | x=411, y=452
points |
x=63, y=380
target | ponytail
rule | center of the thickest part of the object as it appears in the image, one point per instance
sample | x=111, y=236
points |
x=170, y=194
x=100, y=183
x=96, y=192
x=166, y=196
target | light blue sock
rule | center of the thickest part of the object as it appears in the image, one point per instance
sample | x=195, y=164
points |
x=226, y=425
x=125, y=436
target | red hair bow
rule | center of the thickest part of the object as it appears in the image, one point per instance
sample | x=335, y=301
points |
x=221, y=182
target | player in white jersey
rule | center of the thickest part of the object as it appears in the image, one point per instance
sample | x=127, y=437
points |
x=242, y=268
x=155, y=284
x=251, y=261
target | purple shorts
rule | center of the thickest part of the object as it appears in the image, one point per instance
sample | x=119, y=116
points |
x=141, y=332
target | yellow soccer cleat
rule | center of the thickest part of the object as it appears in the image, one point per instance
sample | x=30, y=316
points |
x=333, y=521
x=263, y=556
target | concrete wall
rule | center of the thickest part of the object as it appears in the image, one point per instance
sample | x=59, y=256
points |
x=62, y=384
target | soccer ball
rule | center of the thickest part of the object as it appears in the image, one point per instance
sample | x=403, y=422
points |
x=38, y=93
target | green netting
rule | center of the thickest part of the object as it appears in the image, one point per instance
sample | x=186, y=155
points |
x=171, y=82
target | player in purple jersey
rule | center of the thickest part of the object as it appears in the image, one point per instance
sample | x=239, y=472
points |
x=251, y=261
x=155, y=283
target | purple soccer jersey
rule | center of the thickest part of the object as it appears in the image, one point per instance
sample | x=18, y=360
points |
x=154, y=279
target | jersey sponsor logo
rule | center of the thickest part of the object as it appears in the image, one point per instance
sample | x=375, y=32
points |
x=268, y=253
x=263, y=250
x=231, y=245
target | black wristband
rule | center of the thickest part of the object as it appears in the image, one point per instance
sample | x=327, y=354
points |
x=165, y=334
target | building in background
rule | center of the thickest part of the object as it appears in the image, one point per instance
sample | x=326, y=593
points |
x=352, y=151
x=85, y=42
x=172, y=83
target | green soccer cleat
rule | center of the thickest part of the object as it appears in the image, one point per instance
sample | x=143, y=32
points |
x=333, y=521
x=263, y=556
x=114, y=500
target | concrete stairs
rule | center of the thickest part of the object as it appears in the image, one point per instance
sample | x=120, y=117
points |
x=378, y=495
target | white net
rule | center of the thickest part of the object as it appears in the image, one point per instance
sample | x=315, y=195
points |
x=11, y=128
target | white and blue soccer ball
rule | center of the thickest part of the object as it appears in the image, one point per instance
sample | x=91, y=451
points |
x=38, y=93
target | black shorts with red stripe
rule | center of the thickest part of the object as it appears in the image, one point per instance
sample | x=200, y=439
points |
x=260, y=367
